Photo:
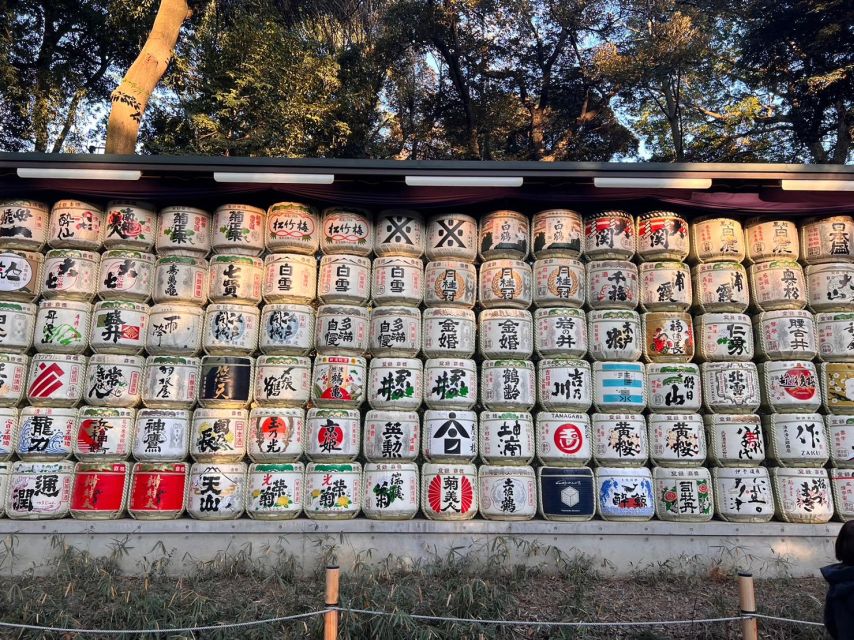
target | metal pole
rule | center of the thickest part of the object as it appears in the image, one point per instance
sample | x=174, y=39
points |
x=330, y=618
x=747, y=604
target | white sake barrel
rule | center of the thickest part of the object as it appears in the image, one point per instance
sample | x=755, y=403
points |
x=449, y=333
x=17, y=326
x=275, y=490
x=673, y=387
x=609, y=235
x=770, y=240
x=835, y=333
x=286, y=329
x=743, y=494
x=662, y=235
x=735, y=440
x=677, y=440
x=556, y=232
x=842, y=485
x=333, y=491
x=282, y=380
x=789, y=386
x=614, y=334
x=730, y=387
x=840, y=434
x=8, y=432
x=777, y=284
x=55, y=380
x=669, y=336
x=23, y=224
x=126, y=275
x=391, y=436
x=103, y=433
x=276, y=434
x=560, y=332
x=802, y=495
x=400, y=232
x=716, y=240
x=448, y=491
x=450, y=283
x=506, y=333
x=235, y=279
x=830, y=286
x=70, y=274
x=507, y=493
x=564, y=384
x=39, y=490
x=787, y=334
x=619, y=387
x=119, y=327
x=452, y=236
x=100, y=490
x=565, y=494
x=292, y=227
x=725, y=337
x=62, y=326
x=683, y=495
x=625, y=494
x=796, y=439
x=346, y=230
x=238, y=229
x=46, y=433
x=183, y=231
x=449, y=436
x=130, y=224
x=837, y=387
x=508, y=385
x=559, y=282
x=395, y=331
x=20, y=275
x=113, y=380
x=564, y=439
x=612, y=284
x=665, y=286
x=506, y=283
x=506, y=437
x=162, y=435
x=158, y=491
x=827, y=239
x=395, y=383
x=13, y=376
x=332, y=435
x=344, y=279
x=342, y=329
x=720, y=287
x=170, y=382
x=180, y=279
x=289, y=277
x=620, y=439
x=219, y=435
x=175, y=329
x=450, y=383
x=76, y=225
x=504, y=234
x=390, y=490
x=397, y=280
x=216, y=491
x=338, y=382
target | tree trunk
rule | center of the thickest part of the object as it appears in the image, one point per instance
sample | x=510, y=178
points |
x=131, y=96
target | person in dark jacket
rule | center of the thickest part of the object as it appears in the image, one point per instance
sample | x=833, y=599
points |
x=839, y=605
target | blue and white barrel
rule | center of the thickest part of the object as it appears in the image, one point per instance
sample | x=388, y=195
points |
x=46, y=433
x=625, y=494
x=566, y=494
x=619, y=387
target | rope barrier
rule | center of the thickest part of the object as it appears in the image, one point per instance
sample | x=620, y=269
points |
x=791, y=620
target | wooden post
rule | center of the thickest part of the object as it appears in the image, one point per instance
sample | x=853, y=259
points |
x=330, y=618
x=747, y=604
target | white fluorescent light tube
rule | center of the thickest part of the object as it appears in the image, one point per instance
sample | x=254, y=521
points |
x=464, y=181
x=652, y=183
x=274, y=178
x=79, y=174
x=818, y=185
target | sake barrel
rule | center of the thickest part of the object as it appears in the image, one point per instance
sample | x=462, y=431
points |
x=282, y=381
x=276, y=434
x=344, y=279
x=235, y=279
x=669, y=336
x=342, y=329
x=397, y=280
x=619, y=439
x=238, y=229
x=683, y=495
x=20, y=275
x=835, y=333
x=56, y=380
x=559, y=282
x=770, y=240
x=170, y=382
x=842, y=485
x=399, y=232
x=62, y=326
x=784, y=335
x=507, y=493
x=566, y=495
x=333, y=491
x=174, y=329
x=625, y=494
x=286, y=329
x=609, y=235
x=390, y=490
x=450, y=383
x=161, y=435
x=560, y=332
x=612, y=284
x=662, y=235
x=17, y=325
x=158, y=491
x=619, y=387
x=126, y=275
x=452, y=236
x=725, y=337
x=504, y=234
x=391, y=436
x=827, y=239
x=13, y=375
x=130, y=224
x=23, y=224
x=338, y=382
x=506, y=437
x=226, y=382
x=180, y=279
x=802, y=495
x=720, y=287
x=103, y=433
x=564, y=439
x=449, y=436
x=796, y=439
x=450, y=283
x=830, y=286
x=837, y=387
x=564, y=384
x=789, y=386
x=840, y=434
x=216, y=491
x=395, y=383
x=113, y=380
x=275, y=491
x=673, y=387
x=777, y=284
x=292, y=227
x=289, y=277
x=5, y=470
x=448, y=333
x=39, y=490
x=743, y=494
x=46, y=433
x=505, y=283
x=556, y=232
x=119, y=327
x=183, y=231
x=346, y=230
x=730, y=387
x=665, y=286
x=332, y=435
x=735, y=440
x=100, y=490
x=677, y=440
x=9, y=433
x=508, y=385
x=614, y=335
x=70, y=274
x=448, y=491
x=395, y=331
x=76, y=225
x=219, y=435
x=716, y=239
x=506, y=333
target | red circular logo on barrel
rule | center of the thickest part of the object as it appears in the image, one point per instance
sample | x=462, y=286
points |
x=569, y=438
x=799, y=382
